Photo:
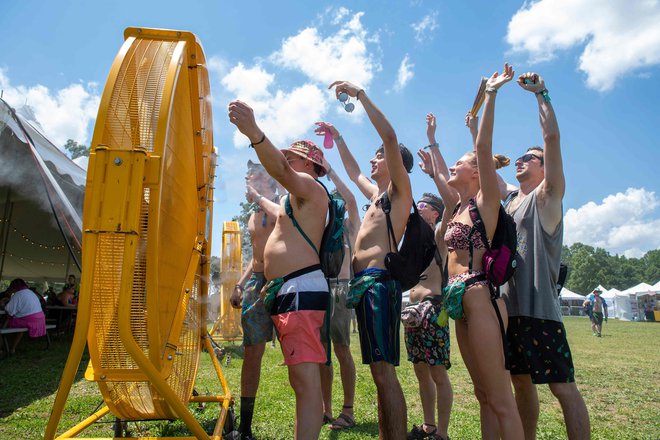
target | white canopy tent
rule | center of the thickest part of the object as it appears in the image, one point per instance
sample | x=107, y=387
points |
x=41, y=200
x=571, y=302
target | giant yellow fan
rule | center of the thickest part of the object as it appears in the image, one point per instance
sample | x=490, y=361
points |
x=147, y=236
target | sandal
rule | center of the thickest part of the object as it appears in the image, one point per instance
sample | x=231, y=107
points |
x=418, y=433
x=327, y=419
x=347, y=422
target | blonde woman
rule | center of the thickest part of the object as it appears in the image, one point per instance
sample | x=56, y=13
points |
x=470, y=297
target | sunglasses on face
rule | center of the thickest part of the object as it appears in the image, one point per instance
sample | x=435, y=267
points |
x=529, y=156
x=422, y=205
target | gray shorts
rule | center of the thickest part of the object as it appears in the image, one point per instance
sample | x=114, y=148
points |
x=256, y=322
x=340, y=322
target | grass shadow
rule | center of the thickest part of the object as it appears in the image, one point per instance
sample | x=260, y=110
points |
x=33, y=372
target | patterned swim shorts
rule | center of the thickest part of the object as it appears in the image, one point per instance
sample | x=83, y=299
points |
x=255, y=320
x=429, y=343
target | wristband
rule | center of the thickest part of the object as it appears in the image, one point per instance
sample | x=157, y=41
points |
x=428, y=147
x=432, y=176
x=544, y=93
x=263, y=138
x=357, y=95
x=339, y=138
x=491, y=90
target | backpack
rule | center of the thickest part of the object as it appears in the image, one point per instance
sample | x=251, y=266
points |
x=499, y=261
x=332, y=250
x=417, y=248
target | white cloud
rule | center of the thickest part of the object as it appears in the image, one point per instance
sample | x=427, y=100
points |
x=63, y=114
x=425, y=27
x=282, y=115
x=405, y=73
x=623, y=223
x=287, y=113
x=619, y=36
x=343, y=55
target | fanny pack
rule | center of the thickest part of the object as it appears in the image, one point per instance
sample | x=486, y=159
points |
x=453, y=295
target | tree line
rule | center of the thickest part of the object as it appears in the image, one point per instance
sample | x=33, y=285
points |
x=588, y=267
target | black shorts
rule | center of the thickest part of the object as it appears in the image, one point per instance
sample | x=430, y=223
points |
x=538, y=347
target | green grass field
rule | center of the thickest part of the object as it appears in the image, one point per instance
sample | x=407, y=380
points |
x=617, y=374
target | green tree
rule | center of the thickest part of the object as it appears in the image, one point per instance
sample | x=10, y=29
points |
x=75, y=149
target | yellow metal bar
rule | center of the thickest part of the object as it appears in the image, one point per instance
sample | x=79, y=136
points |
x=228, y=399
x=85, y=423
x=149, y=369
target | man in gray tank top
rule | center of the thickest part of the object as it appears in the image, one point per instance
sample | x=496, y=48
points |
x=538, y=349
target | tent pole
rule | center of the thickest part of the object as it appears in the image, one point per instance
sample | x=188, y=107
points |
x=5, y=229
x=66, y=268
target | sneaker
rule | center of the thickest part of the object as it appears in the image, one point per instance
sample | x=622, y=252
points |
x=418, y=433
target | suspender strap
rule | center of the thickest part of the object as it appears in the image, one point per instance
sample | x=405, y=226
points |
x=503, y=333
x=289, y=212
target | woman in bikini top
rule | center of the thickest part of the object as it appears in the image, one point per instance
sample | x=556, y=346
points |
x=478, y=331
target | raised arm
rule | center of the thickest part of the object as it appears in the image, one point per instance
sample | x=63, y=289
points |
x=349, y=200
x=551, y=190
x=490, y=192
x=399, y=175
x=472, y=122
x=439, y=164
x=268, y=206
x=448, y=194
x=366, y=186
x=298, y=184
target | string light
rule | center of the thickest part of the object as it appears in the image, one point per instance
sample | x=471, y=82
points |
x=30, y=260
x=30, y=241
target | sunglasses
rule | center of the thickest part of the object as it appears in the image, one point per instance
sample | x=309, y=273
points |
x=529, y=156
x=344, y=100
x=422, y=205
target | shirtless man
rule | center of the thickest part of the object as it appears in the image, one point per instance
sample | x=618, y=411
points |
x=255, y=320
x=379, y=309
x=297, y=291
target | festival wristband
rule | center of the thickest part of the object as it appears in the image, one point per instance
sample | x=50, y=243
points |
x=428, y=147
x=263, y=138
x=544, y=93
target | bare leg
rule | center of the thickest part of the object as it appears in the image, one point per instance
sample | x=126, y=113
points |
x=489, y=425
x=575, y=411
x=527, y=400
x=392, y=417
x=326, y=388
x=485, y=340
x=16, y=340
x=347, y=372
x=251, y=369
x=445, y=397
x=305, y=380
x=427, y=392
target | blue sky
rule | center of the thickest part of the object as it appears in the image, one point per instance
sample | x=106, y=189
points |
x=599, y=59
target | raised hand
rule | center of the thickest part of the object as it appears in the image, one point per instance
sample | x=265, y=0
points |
x=322, y=127
x=531, y=82
x=242, y=116
x=426, y=165
x=251, y=194
x=345, y=86
x=471, y=122
x=497, y=80
x=430, y=127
